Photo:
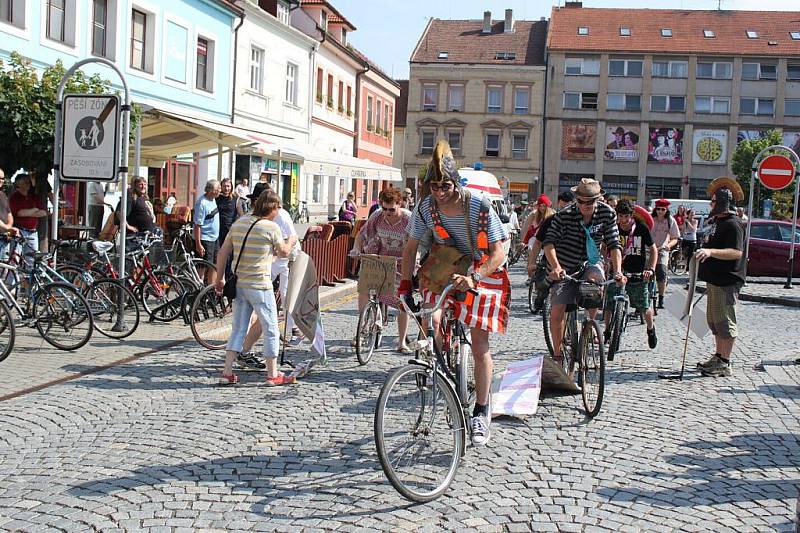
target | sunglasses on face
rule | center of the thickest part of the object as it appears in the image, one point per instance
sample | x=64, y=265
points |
x=586, y=202
x=390, y=209
x=661, y=208
x=444, y=187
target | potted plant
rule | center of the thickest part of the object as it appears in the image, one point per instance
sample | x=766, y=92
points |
x=349, y=113
x=319, y=97
x=330, y=102
x=341, y=109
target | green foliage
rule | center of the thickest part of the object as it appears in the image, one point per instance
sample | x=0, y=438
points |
x=742, y=164
x=783, y=204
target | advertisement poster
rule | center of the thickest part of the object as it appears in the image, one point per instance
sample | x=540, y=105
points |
x=792, y=140
x=710, y=147
x=578, y=140
x=750, y=135
x=665, y=145
x=622, y=143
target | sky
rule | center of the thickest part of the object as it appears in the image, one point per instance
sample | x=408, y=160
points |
x=388, y=30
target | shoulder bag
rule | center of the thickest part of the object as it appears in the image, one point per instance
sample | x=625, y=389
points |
x=229, y=290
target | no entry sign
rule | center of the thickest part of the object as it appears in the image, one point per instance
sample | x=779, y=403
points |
x=90, y=137
x=776, y=172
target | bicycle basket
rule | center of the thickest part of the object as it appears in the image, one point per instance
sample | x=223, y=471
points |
x=379, y=273
x=590, y=296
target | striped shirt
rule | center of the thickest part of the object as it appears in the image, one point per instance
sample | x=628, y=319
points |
x=421, y=223
x=253, y=271
x=566, y=233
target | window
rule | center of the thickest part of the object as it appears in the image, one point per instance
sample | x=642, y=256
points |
x=257, y=67
x=757, y=106
x=625, y=32
x=340, y=96
x=386, y=119
x=330, y=91
x=316, y=189
x=430, y=95
x=580, y=100
x=758, y=71
x=712, y=104
x=765, y=231
x=583, y=30
x=519, y=146
x=349, y=101
x=7, y=10
x=752, y=34
x=621, y=67
x=455, y=98
x=768, y=72
x=786, y=234
x=370, y=125
x=99, y=26
x=666, y=32
x=323, y=20
x=505, y=56
x=427, y=139
x=378, y=115
x=283, y=12
x=454, y=139
x=791, y=108
x=624, y=102
x=344, y=36
x=138, y=39
x=709, y=34
x=667, y=104
x=795, y=35
x=56, y=20
x=717, y=71
x=588, y=100
x=521, y=100
x=576, y=66
x=443, y=55
x=292, y=85
x=670, y=69
x=492, y=144
x=202, y=77
x=494, y=99
x=792, y=72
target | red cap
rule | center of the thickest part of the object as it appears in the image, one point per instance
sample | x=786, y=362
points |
x=543, y=199
x=662, y=203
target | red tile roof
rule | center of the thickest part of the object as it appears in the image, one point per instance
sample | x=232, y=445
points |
x=401, y=105
x=465, y=42
x=335, y=16
x=773, y=29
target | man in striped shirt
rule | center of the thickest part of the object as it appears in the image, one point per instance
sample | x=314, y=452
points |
x=573, y=239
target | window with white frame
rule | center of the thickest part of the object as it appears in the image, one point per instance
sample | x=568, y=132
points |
x=100, y=27
x=430, y=97
x=57, y=20
x=580, y=100
x=666, y=32
x=283, y=12
x=709, y=34
x=340, y=95
x=751, y=34
x=494, y=99
x=756, y=106
x=581, y=66
x=583, y=30
x=427, y=140
x=712, y=104
x=370, y=124
x=667, y=104
x=455, y=97
x=625, y=31
x=316, y=189
x=522, y=98
x=793, y=71
x=454, y=139
x=519, y=146
x=759, y=71
x=715, y=70
x=205, y=64
x=795, y=35
x=386, y=119
x=256, y=69
x=670, y=69
x=323, y=20
x=378, y=107
x=139, y=45
x=625, y=67
x=624, y=102
x=12, y=12
x=492, y=143
x=791, y=107
x=292, y=85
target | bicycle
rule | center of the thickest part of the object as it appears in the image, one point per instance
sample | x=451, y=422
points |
x=299, y=212
x=678, y=262
x=210, y=318
x=374, y=316
x=618, y=323
x=427, y=399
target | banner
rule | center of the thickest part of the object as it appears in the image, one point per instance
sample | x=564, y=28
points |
x=622, y=143
x=710, y=147
x=792, y=140
x=519, y=388
x=578, y=140
x=302, y=302
x=665, y=145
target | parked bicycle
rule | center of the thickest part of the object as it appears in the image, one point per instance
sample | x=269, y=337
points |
x=299, y=212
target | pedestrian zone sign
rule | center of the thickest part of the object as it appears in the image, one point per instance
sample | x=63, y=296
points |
x=90, y=137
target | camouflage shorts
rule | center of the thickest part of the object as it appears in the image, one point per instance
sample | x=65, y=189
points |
x=638, y=294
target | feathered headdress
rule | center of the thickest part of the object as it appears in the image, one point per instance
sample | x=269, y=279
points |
x=726, y=182
x=441, y=167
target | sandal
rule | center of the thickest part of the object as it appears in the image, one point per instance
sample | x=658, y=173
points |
x=281, y=379
x=231, y=379
x=404, y=349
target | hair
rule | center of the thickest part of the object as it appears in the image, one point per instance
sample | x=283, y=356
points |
x=266, y=203
x=390, y=195
x=22, y=176
x=612, y=197
x=681, y=210
x=690, y=213
x=667, y=216
x=566, y=197
x=349, y=194
x=538, y=217
x=136, y=181
x=233, y=189
x=625, y=207
x=211, y=185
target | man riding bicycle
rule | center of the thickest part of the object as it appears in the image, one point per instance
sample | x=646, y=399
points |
x=465, y=225
x=638, y=252
x=574, y=238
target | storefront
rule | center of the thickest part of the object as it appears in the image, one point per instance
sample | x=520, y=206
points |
x=621, y=186
x=662, y=188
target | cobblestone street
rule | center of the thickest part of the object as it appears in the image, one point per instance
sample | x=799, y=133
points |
x=155, y=444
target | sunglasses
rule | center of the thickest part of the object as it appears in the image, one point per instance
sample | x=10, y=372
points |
x=661, y=208
x=444, y=187
x=390, y=209
x=586, y=202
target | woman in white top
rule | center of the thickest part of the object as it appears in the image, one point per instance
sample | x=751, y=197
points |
x=688, y=233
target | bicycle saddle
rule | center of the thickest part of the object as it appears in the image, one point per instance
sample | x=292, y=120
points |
x=102, y=246
x=38, y=256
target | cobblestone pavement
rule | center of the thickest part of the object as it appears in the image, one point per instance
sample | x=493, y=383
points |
x=154, y=444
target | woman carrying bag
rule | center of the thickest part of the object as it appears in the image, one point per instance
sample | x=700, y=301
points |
x=254, y=239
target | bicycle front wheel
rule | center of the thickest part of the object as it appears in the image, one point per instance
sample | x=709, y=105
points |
x=116, y=314
x=367, y=333
x=593, y=368
x=63, y=317
x=466, y=373
x=161, y=296
x=8, y=333
x=211, y=318
x=419, y=432
x=616, y=325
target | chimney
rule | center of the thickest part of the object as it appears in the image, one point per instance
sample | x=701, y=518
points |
x=487, y=22
x=508, y=27
x=573, y=4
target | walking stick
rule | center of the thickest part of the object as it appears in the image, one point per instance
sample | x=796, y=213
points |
x=685, y=344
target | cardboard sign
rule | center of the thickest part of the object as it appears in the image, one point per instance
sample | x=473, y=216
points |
x=518, y=392
x=378, y=272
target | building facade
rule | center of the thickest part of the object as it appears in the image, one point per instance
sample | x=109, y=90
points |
x=399, y=139
x=480, y=85
x=653, y=102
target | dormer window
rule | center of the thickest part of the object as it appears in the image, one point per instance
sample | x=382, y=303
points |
x=752, y=34
x=795, y=35
x=709, y=34
x=443, y=55
x=625, y=32
x=323, y=20
x=583, y=30
x=505, y=56
x=344, y=36
x=666, y=32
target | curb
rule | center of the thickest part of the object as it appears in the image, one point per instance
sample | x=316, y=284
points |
x=331, y=294
x=775, y=300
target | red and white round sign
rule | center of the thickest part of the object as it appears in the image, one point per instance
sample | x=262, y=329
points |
x=776, y=172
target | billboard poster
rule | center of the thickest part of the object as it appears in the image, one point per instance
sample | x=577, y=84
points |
x=750, y=135
x=622, y=143
x=578, y=140
x=792, y=140
x=710, y=147
x=665, y=145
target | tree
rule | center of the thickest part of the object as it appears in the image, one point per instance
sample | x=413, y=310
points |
x=742, y=164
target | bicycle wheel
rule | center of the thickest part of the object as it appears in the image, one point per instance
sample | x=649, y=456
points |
x=593, y=368
x=8, y=333
x=162, y=301
x=548, y=337
x=211, y=318
x=419, y=432
x=62, y=315
x=569, y=345
x=107, y=298
x=616, y=325
x=200, y=265
x=367, y=333
x=78, y=276
x=465, y=371
x=532, y=296
x=10, y=278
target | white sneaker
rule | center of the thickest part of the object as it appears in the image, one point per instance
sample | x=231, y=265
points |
x=480, y=430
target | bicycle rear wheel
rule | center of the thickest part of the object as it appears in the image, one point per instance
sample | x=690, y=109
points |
x=107, y=298
x=201, y=266
x=616, y=324
x=8, y=333
x=593, y=368
x=77, y=276
x=10, y=278
x=367, y=333
x=162, y=303
x=211, y=318
x=569, y=345
x=465, y=371
x=63, y=317
x=532, y=296
x=419, y=432
x=548, y=337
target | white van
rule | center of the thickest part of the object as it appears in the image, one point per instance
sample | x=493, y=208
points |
x=701, y=208
x=482, y=182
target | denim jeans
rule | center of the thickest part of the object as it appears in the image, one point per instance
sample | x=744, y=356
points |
x=262, y=303
x=31, y=238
